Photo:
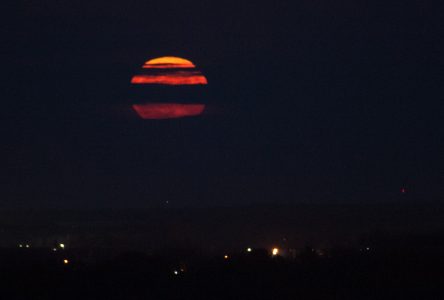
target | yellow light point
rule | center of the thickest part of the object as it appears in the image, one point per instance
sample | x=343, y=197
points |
x=249, y=249
x=62, y=246
x=168, y=62
x=226, y=257
x=65, y=261
x=275, y=251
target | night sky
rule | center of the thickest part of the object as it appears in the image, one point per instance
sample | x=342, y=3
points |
x=308, y=101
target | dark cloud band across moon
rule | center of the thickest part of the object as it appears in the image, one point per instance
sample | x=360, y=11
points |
x=168, y=71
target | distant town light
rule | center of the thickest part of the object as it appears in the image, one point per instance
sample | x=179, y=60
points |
x=249, y=249
x=226, y=256
x=20, y=246
x=62, y=246
x=275, y=251
x=27, y=246
x=65, y=261
x=54, y=249
x=176, y=272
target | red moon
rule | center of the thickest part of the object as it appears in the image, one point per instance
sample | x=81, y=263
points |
x=168, y=70
x=168, y=110
x=171, y=78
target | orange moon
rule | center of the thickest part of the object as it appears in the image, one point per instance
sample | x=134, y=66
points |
x=168, y=62
x=168, y=71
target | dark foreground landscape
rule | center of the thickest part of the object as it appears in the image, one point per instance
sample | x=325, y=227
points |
x=364, y=273
x=291, y=252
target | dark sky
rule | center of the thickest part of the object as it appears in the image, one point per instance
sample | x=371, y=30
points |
x=309, y=101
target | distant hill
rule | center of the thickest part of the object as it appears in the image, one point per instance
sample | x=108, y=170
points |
x=218, y=228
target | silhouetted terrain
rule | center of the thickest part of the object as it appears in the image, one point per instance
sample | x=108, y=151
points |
x=325, y=252
x=341, y=273
x=213, y=230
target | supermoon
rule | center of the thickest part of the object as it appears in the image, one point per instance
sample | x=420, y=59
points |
x=168, y=71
